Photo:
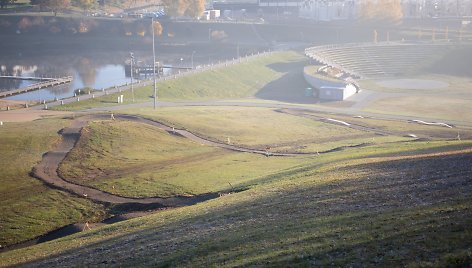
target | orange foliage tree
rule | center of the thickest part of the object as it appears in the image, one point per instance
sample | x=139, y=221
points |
x=192, y=8
x=381, y=10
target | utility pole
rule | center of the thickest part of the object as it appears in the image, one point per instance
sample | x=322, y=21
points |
x=193, y=52
x=132, y=89
x=154, y=64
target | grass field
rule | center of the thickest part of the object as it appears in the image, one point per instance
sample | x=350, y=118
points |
x=262, y=128
x=401, y=127
x=132, y=159
x=394, y=201
x=437, y=107
x=457, y=85
x=234, y=81
x=452, y=102
x=28, y=207
x=396, y=209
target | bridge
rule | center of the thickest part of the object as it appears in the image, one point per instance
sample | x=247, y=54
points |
x=44, y=83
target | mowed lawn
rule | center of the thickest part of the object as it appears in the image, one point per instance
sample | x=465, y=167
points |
x=233, y=81
x=263, y=127
x=410, y=206
x=28, y=207
x=138, y=160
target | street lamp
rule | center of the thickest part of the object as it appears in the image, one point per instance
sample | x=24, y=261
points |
x=154, y=65
x=132, y=59
x=237, y=50
x=193, y=52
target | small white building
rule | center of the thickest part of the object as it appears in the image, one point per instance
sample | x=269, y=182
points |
x=211, y=14
x=337, y=93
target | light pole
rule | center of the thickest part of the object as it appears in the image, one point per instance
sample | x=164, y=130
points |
x=154, y=64
x=132, y=89
x=237, y=50
x=193, y=52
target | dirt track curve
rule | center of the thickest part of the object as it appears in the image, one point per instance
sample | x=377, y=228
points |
x=46, y=170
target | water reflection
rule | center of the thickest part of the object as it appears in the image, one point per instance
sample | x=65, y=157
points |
x=97, y=72
x=98, y=68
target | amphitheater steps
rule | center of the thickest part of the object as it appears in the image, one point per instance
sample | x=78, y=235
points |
x=377, y=60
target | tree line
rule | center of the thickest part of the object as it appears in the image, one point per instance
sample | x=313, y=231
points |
x=190, y=8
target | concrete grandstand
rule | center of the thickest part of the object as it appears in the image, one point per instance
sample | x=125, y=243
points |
x=378, y=60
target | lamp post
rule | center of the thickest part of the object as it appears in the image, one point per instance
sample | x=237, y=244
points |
x=154, y=65
x=237, y=50
x=132, y=89
x=193, y=52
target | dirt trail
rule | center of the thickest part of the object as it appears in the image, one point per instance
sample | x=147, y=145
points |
x=46, y=170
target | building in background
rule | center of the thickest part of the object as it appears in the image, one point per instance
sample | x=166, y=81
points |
x=329, y=10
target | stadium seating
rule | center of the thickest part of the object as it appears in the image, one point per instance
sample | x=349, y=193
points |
x=376, y=60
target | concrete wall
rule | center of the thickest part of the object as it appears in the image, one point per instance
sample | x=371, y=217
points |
x=318, y=82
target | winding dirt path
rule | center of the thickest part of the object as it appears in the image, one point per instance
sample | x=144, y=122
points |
x=46, y=170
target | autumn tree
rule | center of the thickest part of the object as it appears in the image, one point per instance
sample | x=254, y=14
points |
x=84, y=4
x=52, y=5
x=195, y=9
x=157, y=27
x=381, y=10
x=192, y=8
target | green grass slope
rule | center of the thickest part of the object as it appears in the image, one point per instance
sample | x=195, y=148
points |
x=28, y=207
x=238, y=80
x=137, y=160
x=377, y=207
x=263, y=127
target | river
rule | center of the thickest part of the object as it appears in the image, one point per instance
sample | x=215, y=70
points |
x=98, y=68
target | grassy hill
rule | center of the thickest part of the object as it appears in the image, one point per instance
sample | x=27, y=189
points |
x=30, y=208
x=379, y=207
x=241, y=80
x=368, y=195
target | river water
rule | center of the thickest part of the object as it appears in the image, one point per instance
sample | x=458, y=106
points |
x=91, y=68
